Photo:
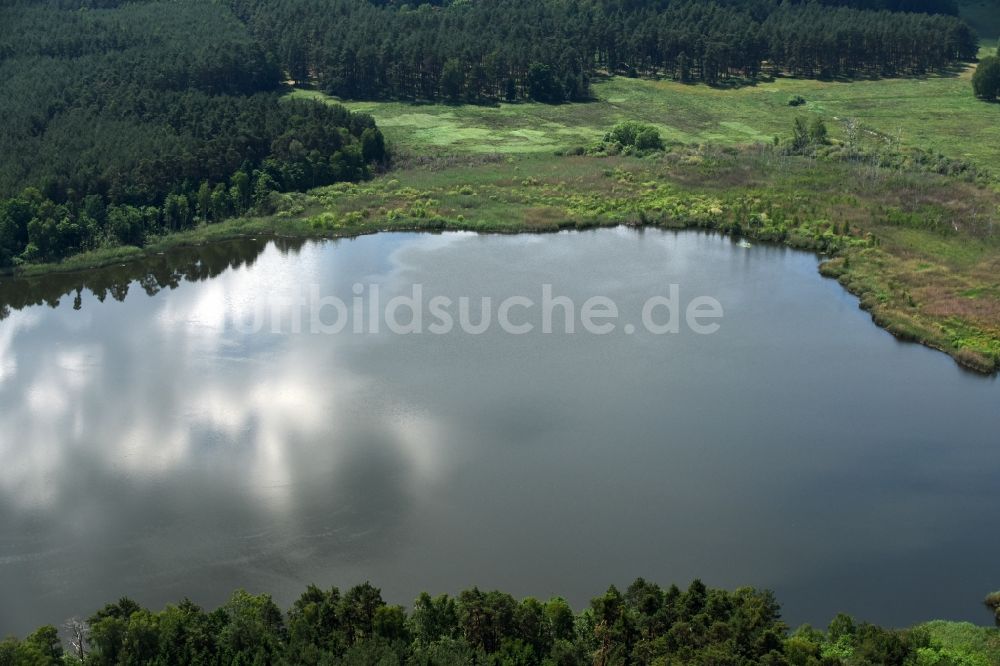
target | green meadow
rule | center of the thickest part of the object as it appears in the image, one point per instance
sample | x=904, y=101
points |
x=936, y=113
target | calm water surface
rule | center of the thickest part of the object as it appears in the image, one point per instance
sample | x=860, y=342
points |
x=150, y=446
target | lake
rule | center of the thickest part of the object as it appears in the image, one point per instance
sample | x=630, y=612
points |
x=163, y=438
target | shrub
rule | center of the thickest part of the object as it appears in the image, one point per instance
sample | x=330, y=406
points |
x=796, y=100
x=648, y=138
x=806, y=134
x=635, y=135
x=818, y=132
x=986, y=80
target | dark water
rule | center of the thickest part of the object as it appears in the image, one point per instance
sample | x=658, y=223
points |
x=153, y=447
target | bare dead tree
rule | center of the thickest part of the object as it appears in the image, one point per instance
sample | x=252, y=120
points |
x=77, y=631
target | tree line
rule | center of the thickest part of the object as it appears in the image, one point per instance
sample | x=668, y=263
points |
x=645, y=624
x=549, y=50
x=124, y=120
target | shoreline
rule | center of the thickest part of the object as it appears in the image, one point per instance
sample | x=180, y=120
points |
x=831, y=265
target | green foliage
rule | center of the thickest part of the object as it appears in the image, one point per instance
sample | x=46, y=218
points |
x=800, y=134
x=986, y=79
x=809, y=134
x=452, y=80
x=960, y=644
x=433, y=619
x=818, y=134
x=647, y=624
x=41, y=648
x=373, y=146
x=542, y=84
x=253, y=630
x=631, y=134
x=550, y=50
x=796, y=100
x=145, y=118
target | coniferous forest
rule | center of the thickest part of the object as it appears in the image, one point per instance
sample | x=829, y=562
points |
x=548, y=51
x=125, y=120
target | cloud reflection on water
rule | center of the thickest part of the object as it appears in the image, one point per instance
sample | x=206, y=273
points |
x=152, y=448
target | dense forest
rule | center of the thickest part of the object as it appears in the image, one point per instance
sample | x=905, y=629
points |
x=125, y=120
x=548, y=50
x=646, y=624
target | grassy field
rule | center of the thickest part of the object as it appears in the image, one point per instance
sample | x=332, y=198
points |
x=937, y=113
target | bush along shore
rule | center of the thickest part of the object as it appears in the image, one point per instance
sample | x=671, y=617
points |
x=645, y=624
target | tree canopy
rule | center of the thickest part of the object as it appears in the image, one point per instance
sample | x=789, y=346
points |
x=549, y=50
x=986, y=79
x=644, y=624
x=124, y=120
